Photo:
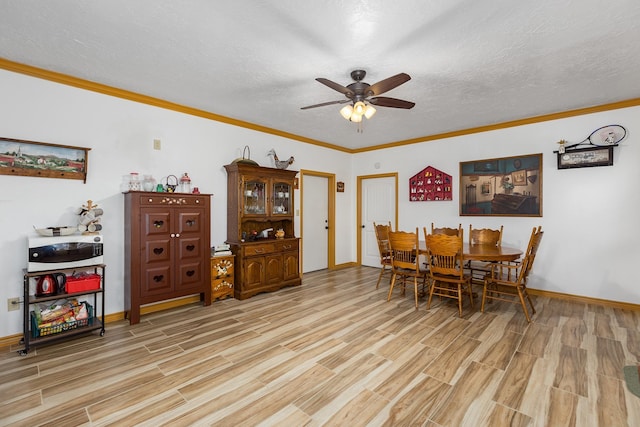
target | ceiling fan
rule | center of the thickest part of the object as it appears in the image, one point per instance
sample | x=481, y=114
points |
x=361, y=96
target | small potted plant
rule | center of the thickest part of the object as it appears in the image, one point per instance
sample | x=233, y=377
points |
x=507, y=185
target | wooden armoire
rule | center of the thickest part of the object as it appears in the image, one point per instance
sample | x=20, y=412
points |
x=167, y=248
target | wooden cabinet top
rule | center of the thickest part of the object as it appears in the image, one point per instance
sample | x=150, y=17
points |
x=243, y=168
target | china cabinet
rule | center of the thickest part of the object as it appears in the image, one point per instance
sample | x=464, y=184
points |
x=260, y=203
x=167, y=248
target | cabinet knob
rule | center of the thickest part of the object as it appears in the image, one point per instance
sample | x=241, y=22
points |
x=173, y=235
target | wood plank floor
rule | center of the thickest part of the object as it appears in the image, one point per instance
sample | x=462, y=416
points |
x=334, y=352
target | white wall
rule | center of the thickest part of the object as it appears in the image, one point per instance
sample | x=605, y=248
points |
x=120, y=134
x=590, y=215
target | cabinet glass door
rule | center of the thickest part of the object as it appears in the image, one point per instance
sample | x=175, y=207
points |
x=281, y=198
x=254, y=196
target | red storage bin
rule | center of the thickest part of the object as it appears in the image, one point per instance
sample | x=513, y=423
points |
x=88, y=282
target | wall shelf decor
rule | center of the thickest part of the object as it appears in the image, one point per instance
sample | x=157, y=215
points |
x=506, y=186
x=430, y=184
x=40, y=159
x=595, y=150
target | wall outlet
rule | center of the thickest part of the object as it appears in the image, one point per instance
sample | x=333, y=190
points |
x=157, y=144
x=13, y=304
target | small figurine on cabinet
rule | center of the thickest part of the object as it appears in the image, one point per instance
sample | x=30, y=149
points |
x=280, y=164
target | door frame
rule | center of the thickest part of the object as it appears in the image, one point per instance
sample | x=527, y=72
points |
x=331, y=207
x=359, y=207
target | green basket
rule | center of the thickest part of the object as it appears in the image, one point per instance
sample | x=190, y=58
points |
x=37, y=331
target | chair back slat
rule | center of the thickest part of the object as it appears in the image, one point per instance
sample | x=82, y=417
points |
x=530, y=254
x=404, y=261
x=444, y=254
x=485, y=236
x=382, y=237
x=447, y=230
x=404, y=247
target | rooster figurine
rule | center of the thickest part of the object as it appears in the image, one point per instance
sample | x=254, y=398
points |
x=280, y=164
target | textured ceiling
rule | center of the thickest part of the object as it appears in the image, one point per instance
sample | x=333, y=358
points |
x=473, y=63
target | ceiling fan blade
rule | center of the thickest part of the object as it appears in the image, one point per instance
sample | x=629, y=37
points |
x=387, y=84
x=383, y=101
x=343, y=101
x=335, y=86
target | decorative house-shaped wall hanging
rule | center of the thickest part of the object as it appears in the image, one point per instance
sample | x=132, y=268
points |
x=430, y=184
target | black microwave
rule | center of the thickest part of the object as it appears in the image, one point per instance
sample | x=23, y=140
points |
x=51, y=253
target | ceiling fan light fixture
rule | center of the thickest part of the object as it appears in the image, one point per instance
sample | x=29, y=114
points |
x=369, y=111
x=356, y=118
x=346, y=111
x=359, y=107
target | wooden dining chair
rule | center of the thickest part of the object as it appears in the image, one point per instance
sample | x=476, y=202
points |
x=508, y=281
x=482, y=236
x=447, y=230
x=446, y=268
x=405, y=261
x=382, y=237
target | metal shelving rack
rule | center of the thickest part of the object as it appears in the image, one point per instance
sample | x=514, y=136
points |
x=95, y=322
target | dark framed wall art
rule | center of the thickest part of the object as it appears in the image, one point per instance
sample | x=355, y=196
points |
x=41, y=159
x=505, y=186
x=585, y=157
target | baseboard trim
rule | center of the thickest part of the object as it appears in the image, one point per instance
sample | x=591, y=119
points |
x=10, y=340
x=166, y=305
x=586, y=300
x=345, y=265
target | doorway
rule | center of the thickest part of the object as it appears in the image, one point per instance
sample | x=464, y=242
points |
x=377, y=202
x=317, y=220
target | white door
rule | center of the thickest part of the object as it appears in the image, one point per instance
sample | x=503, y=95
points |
x=379, y=206
x=315, y=223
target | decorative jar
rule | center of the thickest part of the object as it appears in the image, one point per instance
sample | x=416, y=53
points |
x=148, y=183
x=185, y=183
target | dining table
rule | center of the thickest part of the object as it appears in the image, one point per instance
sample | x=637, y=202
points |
x=488, y=253
x=479, y=252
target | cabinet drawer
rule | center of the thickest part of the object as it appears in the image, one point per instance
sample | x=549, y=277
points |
x=260, y=249
x=222, y=268
x=287, y=245
x=171, y=199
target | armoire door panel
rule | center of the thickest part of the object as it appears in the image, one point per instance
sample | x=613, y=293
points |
x=189, y=248
x=254, y=272
x=190, y=275
x=158, y=281
x=156, y=223
x=291, y=265
x=274, y=269
x=157, y=250
x=189, y=222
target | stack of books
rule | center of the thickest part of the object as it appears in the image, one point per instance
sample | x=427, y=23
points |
x=221, y=250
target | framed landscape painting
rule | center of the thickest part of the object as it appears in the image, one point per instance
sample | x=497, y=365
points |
x=505, y=186
x=40, y=159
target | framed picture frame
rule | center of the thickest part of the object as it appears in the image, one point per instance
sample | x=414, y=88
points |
x=585, y=157
x=41, y=159
x=519, y=177
x=511, y=186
